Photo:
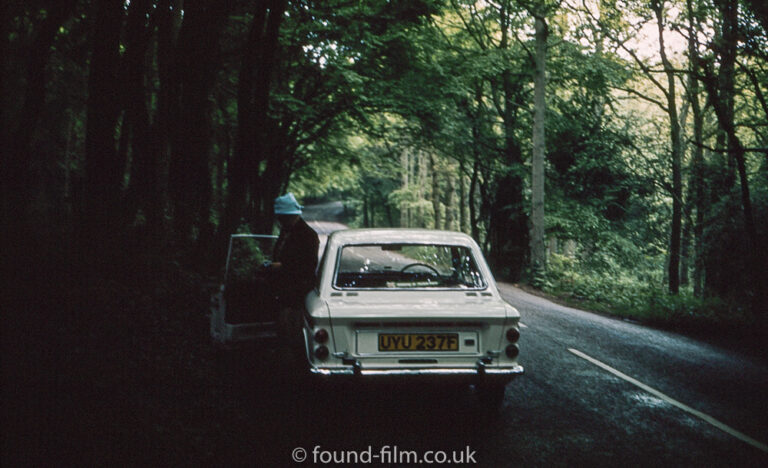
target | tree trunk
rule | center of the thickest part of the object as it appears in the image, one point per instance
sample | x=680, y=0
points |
x=449, y=204
x=18, y=131
x=168, y=18
x=508, y=223
x=719, y=278
x=538, y=252
x=673, y=271
x=190, y=184
x=259, y=62
x=405, y=167
x=104, y=169
x=142, y=194
x=721, y=92
x=462, y=198
x=697, y=159
x=435, y=190
x=474, y=217
x=224, y=159
x=685, y=248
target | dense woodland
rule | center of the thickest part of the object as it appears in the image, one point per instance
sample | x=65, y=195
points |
x=611, y=151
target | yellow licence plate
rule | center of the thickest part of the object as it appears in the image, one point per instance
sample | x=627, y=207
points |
x=418, y=342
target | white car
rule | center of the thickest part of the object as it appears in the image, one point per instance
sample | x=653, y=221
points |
x=406, y=302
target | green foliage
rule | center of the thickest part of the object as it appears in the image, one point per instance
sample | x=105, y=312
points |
x=638, y=295
x=726, y=247
x=246, y=257
x=605, y=246
x=354, y=87
x=539, y=278
x=332, y=171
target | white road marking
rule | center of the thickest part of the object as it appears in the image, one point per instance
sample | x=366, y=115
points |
x=727, y=429
x=522, y=325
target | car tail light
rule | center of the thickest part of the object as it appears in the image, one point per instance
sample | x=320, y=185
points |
x=321, y=335
x=321, y=352
x=512, y=351
x=513, y=334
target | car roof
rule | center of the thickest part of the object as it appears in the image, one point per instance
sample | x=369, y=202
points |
x=400, y=235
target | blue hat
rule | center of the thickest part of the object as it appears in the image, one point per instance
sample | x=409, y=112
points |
x=287, y=205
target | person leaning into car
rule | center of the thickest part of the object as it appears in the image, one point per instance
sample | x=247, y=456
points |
x=291, y=273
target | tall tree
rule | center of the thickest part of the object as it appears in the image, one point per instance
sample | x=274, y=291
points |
x=669, y=106
x=508, y=223
x=676, y=150
x=538, y=252
x=256, y=74
x=18, y=130
x=697, y=159
x=197, y=62
x=143, y=190
x=720, y=87
x=103, y=163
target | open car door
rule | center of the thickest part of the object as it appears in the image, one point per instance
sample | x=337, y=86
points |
x=237, y=315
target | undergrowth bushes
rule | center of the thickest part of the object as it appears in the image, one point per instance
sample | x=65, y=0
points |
x=638, y=294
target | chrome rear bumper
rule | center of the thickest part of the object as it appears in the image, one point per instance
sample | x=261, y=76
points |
x=479, y=371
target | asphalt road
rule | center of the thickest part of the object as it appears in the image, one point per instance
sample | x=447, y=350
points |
x=671, y=400
x=597, y=392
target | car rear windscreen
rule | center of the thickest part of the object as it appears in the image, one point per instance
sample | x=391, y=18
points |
x=407, y=266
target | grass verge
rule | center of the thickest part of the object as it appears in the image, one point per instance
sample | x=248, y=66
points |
x=644, y=299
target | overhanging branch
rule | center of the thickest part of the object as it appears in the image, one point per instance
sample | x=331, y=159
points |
x=644, y=97
x=731, y=150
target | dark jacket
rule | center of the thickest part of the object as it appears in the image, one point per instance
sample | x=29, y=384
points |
x=296, y=249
